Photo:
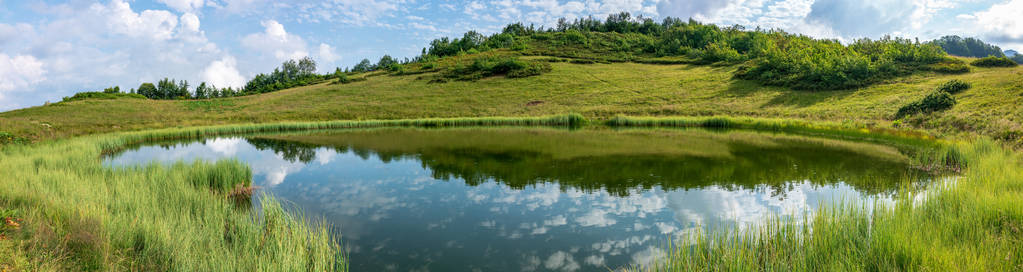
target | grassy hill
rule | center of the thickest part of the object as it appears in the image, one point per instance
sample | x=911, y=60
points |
x=598, y=91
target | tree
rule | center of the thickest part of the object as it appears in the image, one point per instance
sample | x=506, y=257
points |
x=385, y=62
x=112, y=90
x=202, y=91
x=967, y=47
x=149, y=91
x=364, y=66
x=306, y=66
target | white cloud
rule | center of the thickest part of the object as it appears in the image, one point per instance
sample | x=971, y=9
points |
x=277, y=42
x=152, y=24
x=183, y=5
x=595, y=260
x=1002, y=22
x=223, y=73
x=20, y=72
x=8, y=33
x=689, y=8
x=561, y=261
x=190, y=22
x=327, y=54
x=225, y=146
x=595, y=217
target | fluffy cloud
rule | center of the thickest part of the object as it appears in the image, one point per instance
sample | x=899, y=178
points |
x=151, y=24
x=689, y=8
x=277, y=42
x=868, y=18
x=327, y=55
x=1002, y=22
x=183, y=5
x=223, y=73
x=562, y=261
x=19, y=72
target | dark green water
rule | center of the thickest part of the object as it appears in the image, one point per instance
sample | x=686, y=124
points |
x=536, y=199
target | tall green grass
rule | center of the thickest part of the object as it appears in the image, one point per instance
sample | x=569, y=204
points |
x=82, y=215
x=973, y=223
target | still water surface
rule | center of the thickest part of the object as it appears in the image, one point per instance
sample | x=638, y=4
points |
x=540, y=199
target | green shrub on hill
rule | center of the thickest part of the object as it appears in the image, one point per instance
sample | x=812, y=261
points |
x=949, y=66
x=101, y=95
x=488, y=66
x=954, y=86
x=8, y=138
x=935, y=101
x=992, y=61
x=771, y=57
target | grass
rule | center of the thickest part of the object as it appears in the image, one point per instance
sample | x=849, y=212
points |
x=599, y=91
x=972, y=224
x=81, y=215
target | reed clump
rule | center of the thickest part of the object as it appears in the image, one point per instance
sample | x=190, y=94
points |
x=82, y=215
x=971, y=223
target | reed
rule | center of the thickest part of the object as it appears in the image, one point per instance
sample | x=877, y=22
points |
x=973, y=223
x=81, y=215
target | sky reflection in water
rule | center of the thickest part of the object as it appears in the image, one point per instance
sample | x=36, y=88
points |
x=395, y=214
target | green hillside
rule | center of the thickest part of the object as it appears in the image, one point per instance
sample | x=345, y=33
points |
x=595, y=90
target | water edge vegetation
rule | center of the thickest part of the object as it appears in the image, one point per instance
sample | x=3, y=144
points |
x=78, y=214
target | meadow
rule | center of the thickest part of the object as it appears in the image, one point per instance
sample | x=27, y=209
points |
x=77, y=214
x=598, y=91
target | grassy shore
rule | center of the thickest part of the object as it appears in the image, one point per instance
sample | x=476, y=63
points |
x=70, y=212
x=80, y=215
x=972, y=224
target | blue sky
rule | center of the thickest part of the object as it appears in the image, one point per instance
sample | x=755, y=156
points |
x=51, y=49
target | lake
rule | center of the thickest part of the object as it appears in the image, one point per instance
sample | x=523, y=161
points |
x=544, y=199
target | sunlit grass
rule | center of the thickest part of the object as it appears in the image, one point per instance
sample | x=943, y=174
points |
x=81, y=215
x=972, y=224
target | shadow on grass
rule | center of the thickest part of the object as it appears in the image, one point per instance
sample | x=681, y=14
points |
x=787, y=97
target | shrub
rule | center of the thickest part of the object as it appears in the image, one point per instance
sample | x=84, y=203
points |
x=720, y=52
x=491, y=66
x=101, y=95
x=950, y=66
x=7, y=138
x=343, y=78
x=574, y=37
x=936, y=101
x=397, y=68
x=992, y=61
x=954, y=86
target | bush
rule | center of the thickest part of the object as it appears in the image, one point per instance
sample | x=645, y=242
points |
x=101, y=95
x=7, y=138
x=950, y=66
x=397, y=68
x=574, y=37
x=492, y=66
x=994, y=62
x=936, y=101
x=954, y=86
x=343, y=78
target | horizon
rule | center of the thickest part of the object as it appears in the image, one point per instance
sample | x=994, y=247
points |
x=54, y=50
